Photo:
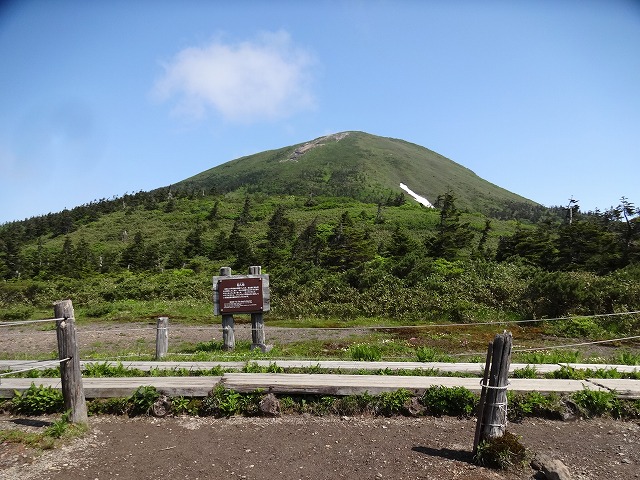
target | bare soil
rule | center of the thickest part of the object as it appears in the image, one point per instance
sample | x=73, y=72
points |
x=105, y=338
x=290, y=447
x=305, y=447
x=102, y=339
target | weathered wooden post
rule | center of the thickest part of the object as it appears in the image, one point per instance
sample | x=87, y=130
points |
x=493, y=418
x=228, y=332
x=70, y=372
x=257, y=320
x=483, y=398
x=162, y=337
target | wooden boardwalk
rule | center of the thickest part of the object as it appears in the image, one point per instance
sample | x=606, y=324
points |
x=317, y=383
x=342, y=365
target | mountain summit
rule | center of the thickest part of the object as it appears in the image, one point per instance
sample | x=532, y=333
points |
x=358, y=165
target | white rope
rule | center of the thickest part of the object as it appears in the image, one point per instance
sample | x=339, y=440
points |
x=445, y=325
x=595, y=342
x=113, y=330
x=39, y=366
x=27, y=322
x=504, y=387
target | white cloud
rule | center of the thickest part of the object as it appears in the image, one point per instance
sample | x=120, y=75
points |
x=268, y=78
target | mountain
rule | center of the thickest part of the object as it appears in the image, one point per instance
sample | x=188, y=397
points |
x=358, y=165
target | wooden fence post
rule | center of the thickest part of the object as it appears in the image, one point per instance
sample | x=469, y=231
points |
x=228, y=333
x=483, y=398
x=257, y=320
x=162, y=337
x=494, y=414
x=70, y=372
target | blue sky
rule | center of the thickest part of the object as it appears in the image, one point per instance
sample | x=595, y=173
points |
x=102, y=98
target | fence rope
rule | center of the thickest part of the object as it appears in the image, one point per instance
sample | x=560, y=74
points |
x=38, y=367
x=470, y=324
x=595, y=342
x=26, y=322
x=360, y=327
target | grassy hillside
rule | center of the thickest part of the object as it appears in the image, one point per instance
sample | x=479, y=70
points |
x=358, y=165
x=328, y=221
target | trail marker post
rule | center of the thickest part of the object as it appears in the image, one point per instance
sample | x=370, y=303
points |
x=242, y=294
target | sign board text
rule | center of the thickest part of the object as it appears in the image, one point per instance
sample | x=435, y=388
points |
x=240, y=295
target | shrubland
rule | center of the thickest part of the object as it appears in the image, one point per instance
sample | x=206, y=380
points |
x=329, y=258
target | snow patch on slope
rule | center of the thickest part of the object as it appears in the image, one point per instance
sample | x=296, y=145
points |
x=418, y=198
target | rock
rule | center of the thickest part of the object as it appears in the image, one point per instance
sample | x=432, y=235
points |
x=551, y=468
x=161, y=407
x=270, y=405
x=414, y=407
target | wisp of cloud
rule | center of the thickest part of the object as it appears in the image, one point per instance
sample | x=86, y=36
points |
x=268, y=78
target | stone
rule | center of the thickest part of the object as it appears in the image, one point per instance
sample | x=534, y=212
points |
x=551, y=468
x=270, y=405
x=161, y=407
x=413, y=407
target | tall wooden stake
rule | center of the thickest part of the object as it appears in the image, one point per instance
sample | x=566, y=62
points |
x=257, y=319
x=494, y=417
x=162, y=337
x=228, y=333
x=70, y=372
x=483, y=397
x=228, y=326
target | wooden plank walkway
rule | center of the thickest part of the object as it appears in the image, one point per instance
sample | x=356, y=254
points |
x=118, y=386
x=453, y=367
x=317, y=383
x=323, y=384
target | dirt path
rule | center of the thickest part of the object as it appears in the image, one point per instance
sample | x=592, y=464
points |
x=104, y=339
x=304, y=447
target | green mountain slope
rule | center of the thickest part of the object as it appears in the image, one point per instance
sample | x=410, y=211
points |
x=358, y=165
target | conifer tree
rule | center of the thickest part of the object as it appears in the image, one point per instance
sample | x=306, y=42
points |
x=452, y=235
x=348, y=245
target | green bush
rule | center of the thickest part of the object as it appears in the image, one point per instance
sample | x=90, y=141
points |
x=142, y=400
x=18, y=312
x=595, y=403
x=429, y=354
x=533, y=404
x=365, y=352
x=550, y=356
x=627, y=357
x=452, y=401
x=353, y=404
x=59, y=427
x=221, y=402
x=577, y=327
x=502, y=452
x=391, y=403
x=37, y=401
x=108, y=406
x=106, y=369
x=526, y=372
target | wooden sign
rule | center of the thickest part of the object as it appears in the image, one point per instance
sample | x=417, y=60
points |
x=240, y=295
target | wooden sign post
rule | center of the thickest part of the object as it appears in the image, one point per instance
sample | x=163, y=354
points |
x=242, y=294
